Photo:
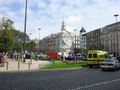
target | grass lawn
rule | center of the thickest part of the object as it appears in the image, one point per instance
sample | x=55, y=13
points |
x=65, y=64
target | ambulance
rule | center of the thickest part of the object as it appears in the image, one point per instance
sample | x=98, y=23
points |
x=95, y=57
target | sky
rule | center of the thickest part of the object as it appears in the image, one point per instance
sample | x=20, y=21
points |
x=49, y=14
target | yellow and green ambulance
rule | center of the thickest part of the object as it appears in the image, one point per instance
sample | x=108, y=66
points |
x=95, y=57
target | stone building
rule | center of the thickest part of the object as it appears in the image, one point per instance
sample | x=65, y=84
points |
x=83, y=38
x=106, y=38
x=93, y=39
x=76, y=41
x=58, y=42
x=110, y=38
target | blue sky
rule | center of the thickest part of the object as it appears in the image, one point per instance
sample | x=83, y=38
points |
x=48, y=14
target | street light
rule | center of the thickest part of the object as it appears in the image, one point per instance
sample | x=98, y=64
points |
x=116, y=15
x=39, y=39
x=75, y=39
x=25, y=22
x=30, y=35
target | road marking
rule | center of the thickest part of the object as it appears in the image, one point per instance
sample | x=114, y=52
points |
x=96, y=84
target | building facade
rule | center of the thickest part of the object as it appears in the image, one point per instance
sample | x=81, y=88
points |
x=106, y=38
x=93, y=39
x=76, y=41
x=110, y=38
x=59, y=42
x=83, y=39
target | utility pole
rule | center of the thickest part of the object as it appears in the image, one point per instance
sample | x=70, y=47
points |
x=25, y=22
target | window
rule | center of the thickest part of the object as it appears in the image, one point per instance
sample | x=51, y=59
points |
x=94, y=55
x=101, y=56
x=106, y=55
x=90, y=56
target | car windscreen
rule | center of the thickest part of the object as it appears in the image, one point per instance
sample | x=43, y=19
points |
x=94, y=55
x=108, y=60
x=90, y=56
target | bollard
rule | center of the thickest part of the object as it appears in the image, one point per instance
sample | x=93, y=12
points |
x=29, y=65
x=31, y=60
x=6, y=65
x=18, y=65
x=3, y=64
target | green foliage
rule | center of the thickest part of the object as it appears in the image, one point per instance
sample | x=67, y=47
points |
x=11, y=39
x=7, y=24
x=18, y=38
x=96, y=47
x=31, y=45
x=78, y=50
x=6, y=40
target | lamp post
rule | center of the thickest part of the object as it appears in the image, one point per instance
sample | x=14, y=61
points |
x=25, y=22
x=30, y=45
x=39, y=39
x=30, y=35
x=75, y=39
x=116, y=15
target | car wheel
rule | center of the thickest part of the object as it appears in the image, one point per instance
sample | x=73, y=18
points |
x=90, y=66
x=115, y=68
x=103, y=69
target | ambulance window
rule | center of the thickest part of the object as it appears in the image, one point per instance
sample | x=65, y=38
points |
x=90, y=56
x=106, y=56
x=94, y=55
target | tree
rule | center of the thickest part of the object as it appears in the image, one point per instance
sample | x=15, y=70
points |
x=10, y=38
x=6, y=40
x=96, y=47
x=18, y=38
x=80, y=50
x=31, y=46
x=7, y=24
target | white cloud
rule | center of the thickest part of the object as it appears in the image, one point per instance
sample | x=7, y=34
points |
x=91, y=14
x=74, y=20
x=42, y=5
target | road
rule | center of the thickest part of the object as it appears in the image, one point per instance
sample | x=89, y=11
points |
x=79, y=79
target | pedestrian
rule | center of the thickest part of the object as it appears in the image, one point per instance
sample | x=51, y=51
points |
x=36, y=57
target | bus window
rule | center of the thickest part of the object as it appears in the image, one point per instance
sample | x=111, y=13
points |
x=90, y=56
x=94, y=55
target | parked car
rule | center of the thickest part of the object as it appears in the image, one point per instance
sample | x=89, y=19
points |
x=111, y=63
x=42, y=56
x=118, y=58
x=2, y=61
x=69, y=58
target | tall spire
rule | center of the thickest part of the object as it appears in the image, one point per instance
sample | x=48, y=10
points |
x=63, y=26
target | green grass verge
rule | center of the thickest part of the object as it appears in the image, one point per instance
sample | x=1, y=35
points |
x=65, y=64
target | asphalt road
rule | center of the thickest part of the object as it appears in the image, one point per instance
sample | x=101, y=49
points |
x=80, y=79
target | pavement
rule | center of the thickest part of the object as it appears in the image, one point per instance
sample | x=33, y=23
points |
x=14, y=65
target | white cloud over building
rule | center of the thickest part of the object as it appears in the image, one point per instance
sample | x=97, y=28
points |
x=48, y=14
